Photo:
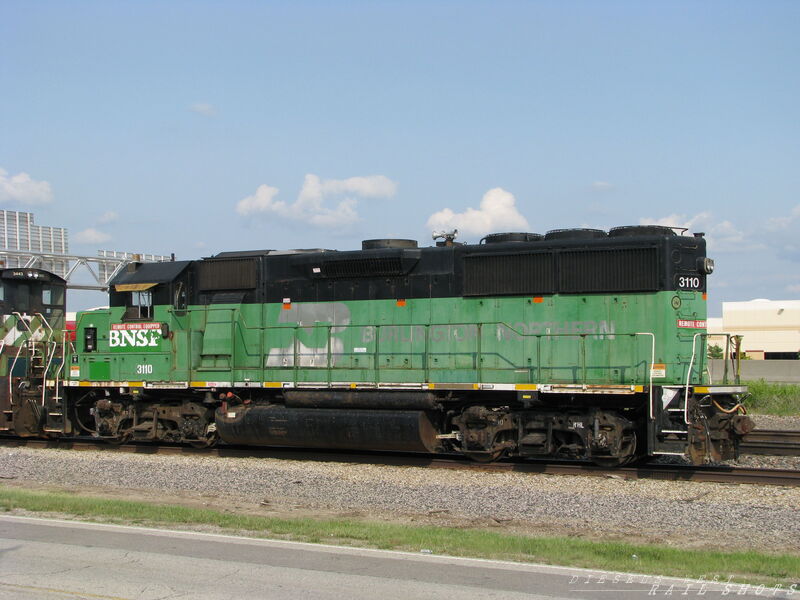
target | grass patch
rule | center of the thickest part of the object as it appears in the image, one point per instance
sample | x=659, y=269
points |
x=781, y=399
x=749, y=566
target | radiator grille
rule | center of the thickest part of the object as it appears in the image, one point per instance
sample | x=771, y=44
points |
x=618, y=270
x=236, y=274
x=364, y=267
x=570, y=271
x=509, y=274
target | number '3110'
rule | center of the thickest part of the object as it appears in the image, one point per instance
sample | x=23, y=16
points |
x=689, y=282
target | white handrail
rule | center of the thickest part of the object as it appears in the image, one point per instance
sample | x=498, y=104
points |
x=46, y=324
x=51, y=355
x=21, y=317
x=30, y=341
x=688, y=379
x=652, y=362
x=63, y=359
x=10, y=378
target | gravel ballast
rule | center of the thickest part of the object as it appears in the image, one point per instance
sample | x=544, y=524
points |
x=674, y=513
x=776, y=422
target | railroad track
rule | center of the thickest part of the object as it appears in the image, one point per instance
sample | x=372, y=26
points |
x=663, y=472
x=771, y=441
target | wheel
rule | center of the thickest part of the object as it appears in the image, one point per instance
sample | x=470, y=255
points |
x=484, y=457
x=116, y=441
x=208, y=442
x=628, y=451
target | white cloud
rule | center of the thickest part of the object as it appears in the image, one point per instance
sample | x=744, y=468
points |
x=203, y=108
x=682, y=221
x=108, y=217
x=723, y=236
x=602, y=186
x=778, y=223
x=261, y=202
x=497, y=213
x=793, y=288
x=310, y=204
x=20, y=188
x=91, y=236
x=372, y=186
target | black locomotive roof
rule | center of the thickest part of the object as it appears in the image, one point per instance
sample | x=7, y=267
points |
x=31, y=274
x=158, y=272
x=251, y=253
x=629, y=259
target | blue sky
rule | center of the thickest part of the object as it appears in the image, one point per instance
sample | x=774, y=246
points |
x=197, y=127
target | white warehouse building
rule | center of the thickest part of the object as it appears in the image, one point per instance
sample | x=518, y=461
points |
x=770, y=329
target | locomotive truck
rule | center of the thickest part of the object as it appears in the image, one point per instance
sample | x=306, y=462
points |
x=577, y=344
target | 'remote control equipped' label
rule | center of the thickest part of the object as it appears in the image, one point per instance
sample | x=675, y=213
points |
x=690, y=324
x=142, y=337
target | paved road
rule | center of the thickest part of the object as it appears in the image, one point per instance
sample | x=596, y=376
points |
x=67, y=560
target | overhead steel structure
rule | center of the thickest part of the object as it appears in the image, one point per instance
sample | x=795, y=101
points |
x=26, y=245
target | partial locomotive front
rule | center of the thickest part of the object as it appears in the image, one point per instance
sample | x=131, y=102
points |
x=578, y=344
x=32, y=304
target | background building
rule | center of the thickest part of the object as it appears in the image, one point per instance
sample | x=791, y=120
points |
x=20, y=235
x=770, y=329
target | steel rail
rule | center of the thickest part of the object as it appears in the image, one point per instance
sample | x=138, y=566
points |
x=664, y=472
x=774, y=442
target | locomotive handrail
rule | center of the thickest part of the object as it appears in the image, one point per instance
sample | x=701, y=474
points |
x=691, y=363
x=57, y=374
x=10, y=375
x=51, y=352
x=689, y=377
x=51, y=355
x=46, y=324
x=652, y=362
x=20, y=318
x=329, y=348
x=726, y=356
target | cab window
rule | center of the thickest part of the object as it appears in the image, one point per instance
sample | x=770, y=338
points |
x=141, y=305
x=180, y=299
x=52, y=295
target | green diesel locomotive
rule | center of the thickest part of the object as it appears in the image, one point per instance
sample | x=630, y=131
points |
x=578, y=344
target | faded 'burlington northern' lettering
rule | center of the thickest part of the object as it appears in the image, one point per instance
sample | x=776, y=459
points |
x=334, y=318
x=599, y=330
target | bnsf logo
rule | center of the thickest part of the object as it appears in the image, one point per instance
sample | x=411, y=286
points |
x=134, y=335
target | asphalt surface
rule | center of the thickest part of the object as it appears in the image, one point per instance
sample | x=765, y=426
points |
x=58, y=559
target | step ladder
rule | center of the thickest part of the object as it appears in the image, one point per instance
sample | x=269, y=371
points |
x=671, y=432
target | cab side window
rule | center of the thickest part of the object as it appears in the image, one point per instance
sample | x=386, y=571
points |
x=53, y=304
x=141, y=306
x=180, y=301
x=52, y=295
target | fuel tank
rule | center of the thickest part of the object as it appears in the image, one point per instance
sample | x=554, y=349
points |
x=352, y=429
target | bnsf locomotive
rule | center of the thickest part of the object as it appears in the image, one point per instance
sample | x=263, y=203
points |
x=578, y=344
